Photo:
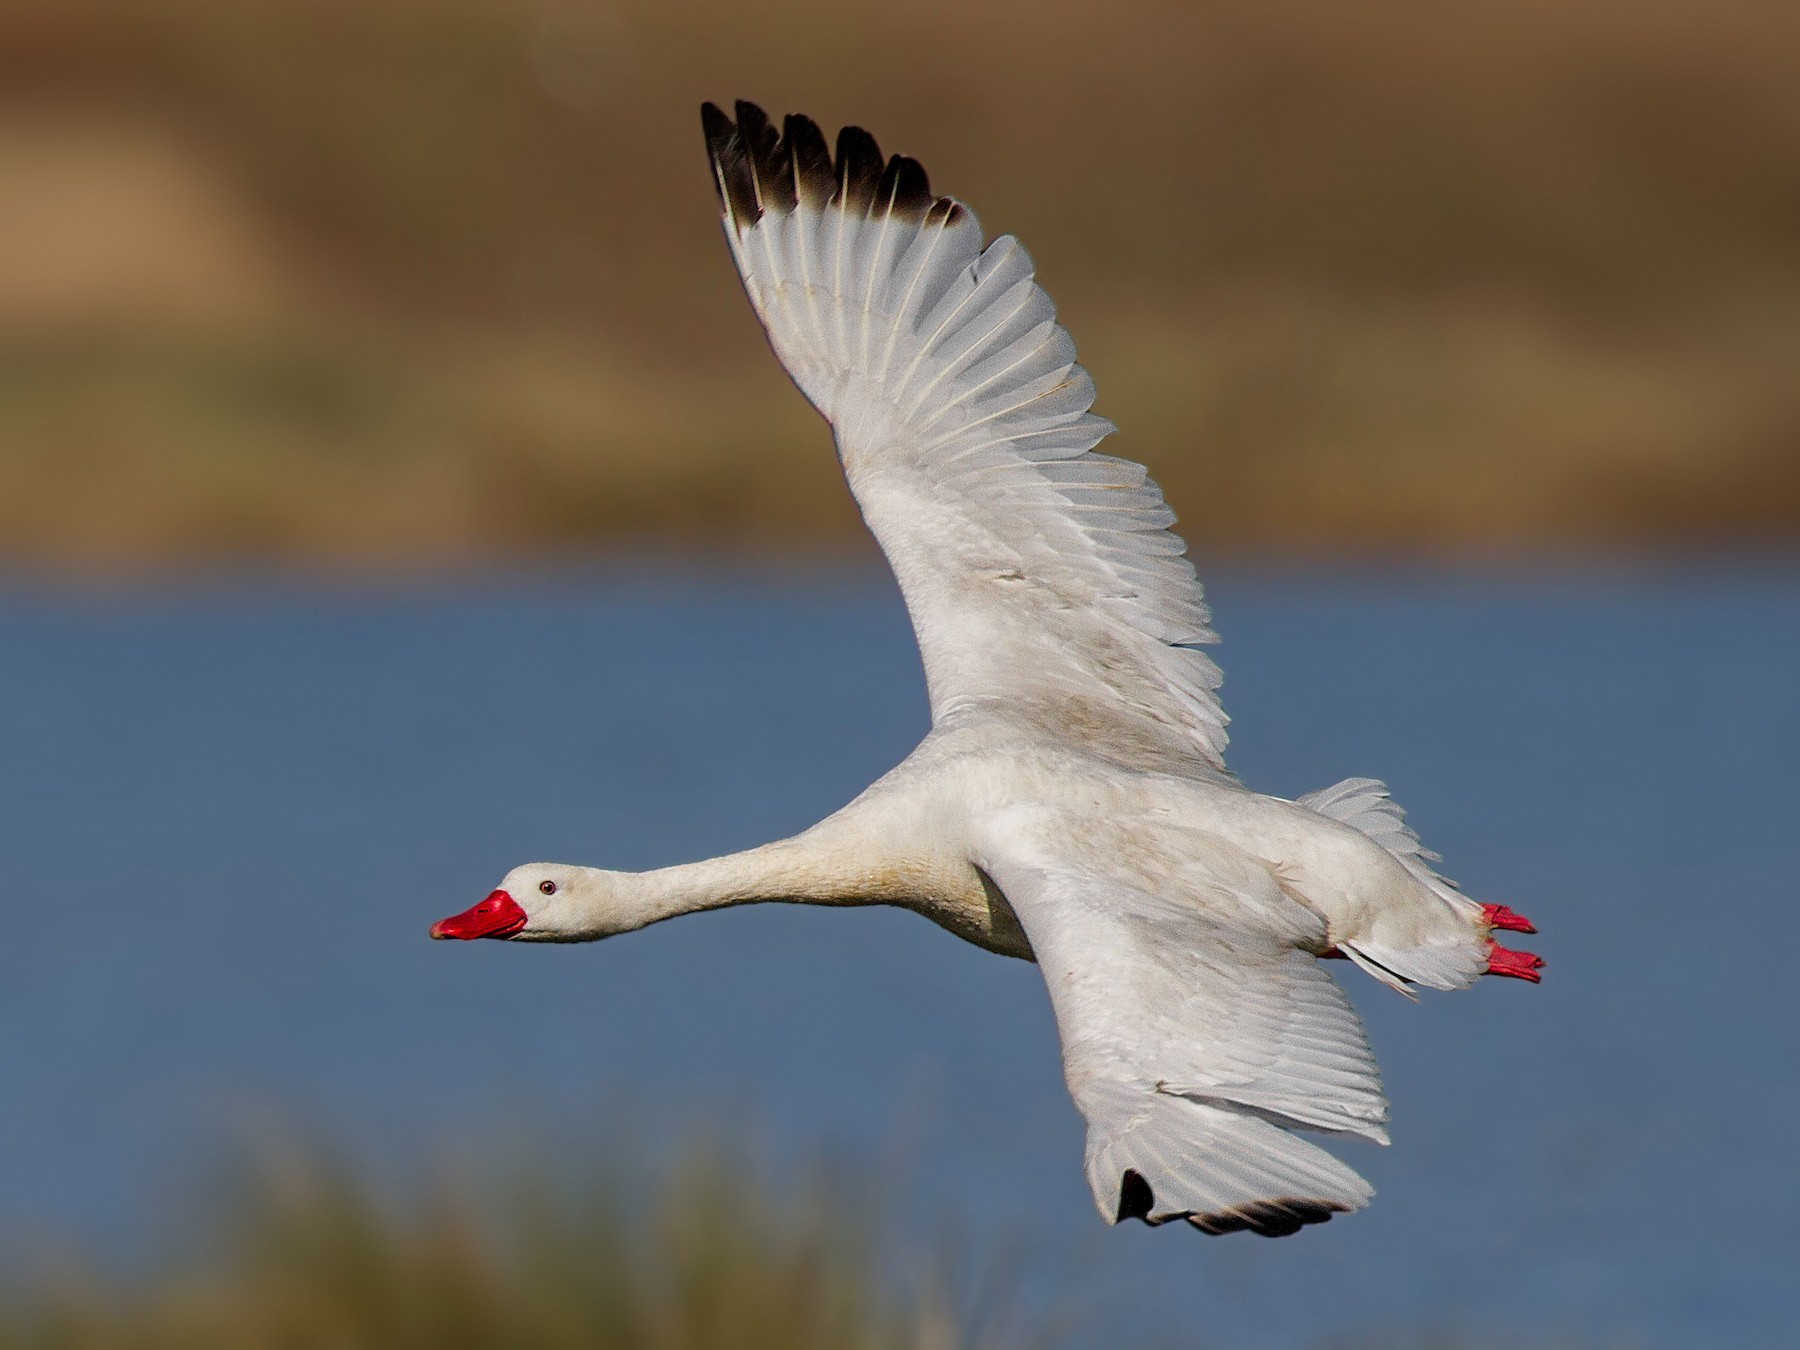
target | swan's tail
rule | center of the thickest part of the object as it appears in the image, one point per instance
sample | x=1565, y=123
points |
x=1222, y=1168
x=1364, y=804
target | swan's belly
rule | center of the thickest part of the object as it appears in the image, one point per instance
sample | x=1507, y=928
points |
x=1351, y=881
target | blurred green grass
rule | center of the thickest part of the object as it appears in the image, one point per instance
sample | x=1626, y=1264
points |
x=406, y=282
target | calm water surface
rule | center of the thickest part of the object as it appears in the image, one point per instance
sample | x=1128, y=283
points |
x=229, y=813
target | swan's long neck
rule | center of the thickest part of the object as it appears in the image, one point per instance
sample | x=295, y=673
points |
x=793, y=870
x=824, y=866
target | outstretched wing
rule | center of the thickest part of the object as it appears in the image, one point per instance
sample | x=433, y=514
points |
x=1039, y=575
x=1198, y=1028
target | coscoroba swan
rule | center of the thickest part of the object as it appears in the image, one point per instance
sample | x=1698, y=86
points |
x=1071, y=803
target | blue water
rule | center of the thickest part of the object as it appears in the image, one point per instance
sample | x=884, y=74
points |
x=228, y=813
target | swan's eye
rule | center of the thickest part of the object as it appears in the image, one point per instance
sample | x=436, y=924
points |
x=547, y=887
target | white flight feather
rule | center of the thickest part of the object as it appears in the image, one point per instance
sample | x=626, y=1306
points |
x=957, y=403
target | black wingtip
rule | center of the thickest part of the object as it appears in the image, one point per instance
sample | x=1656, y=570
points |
x=751, y=119
x=1267, y=1218
x=1136, y=1199
x=757, y=169
x=768, y=159
x=859, y=168
x=733, y=176
x=905, y=188
x=809, y=160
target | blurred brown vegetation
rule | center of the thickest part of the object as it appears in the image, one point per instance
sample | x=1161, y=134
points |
x=709, y=1254
x=712, y=1252
x=408, y=281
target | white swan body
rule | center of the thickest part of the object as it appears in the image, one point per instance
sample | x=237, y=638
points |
x=1071, y=802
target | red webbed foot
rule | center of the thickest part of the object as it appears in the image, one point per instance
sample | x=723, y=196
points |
x=1499, y=916
x=1516, y=965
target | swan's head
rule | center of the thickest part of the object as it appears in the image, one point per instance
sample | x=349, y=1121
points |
x=542, y=902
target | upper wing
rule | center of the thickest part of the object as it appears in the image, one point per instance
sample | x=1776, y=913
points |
x=1197, y=1026
x=1035, y=571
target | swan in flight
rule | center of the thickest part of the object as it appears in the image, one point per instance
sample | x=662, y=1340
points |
x=1070, y=804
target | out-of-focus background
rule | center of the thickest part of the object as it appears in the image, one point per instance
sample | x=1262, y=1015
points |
x=412, y=280
x=394, y=487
